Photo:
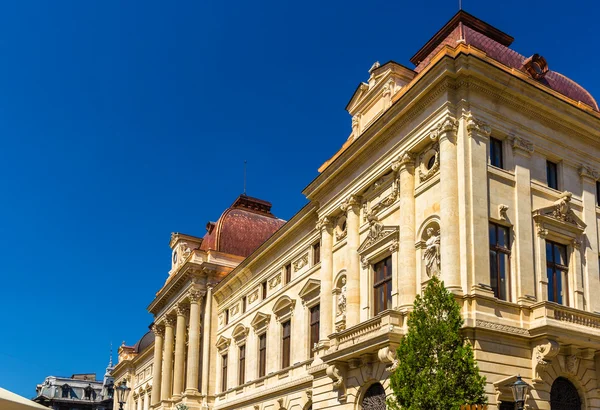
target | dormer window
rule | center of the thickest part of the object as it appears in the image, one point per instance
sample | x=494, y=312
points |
x=536, y=66
x=65, y=391
x=89, y=391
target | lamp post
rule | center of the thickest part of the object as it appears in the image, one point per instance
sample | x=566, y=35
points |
x=519, y=391
x=122, y=393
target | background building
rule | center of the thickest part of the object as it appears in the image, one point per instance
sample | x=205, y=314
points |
x=480, y=166
x=78, y=392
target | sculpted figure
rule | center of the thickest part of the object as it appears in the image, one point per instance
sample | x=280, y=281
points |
x=342, y=297
x=432, y=253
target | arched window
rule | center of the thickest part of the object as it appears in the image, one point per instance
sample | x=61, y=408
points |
x=374, y=398
x=564, y=396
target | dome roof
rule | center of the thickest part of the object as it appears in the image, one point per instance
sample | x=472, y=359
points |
x=466, y=28
x=144, y=342
x=242, y=228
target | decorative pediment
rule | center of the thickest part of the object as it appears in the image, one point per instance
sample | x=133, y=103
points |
x=378, y=234
x=240, y=332
x=260, y=321
x=284, y=307
x=559, y=215
x=503, y=389
x=311, y=286
x=222, y=343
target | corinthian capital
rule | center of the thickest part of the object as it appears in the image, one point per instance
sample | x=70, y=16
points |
x=169, y=321
x=324, y=223
x=182, y=310
x=353, y=202
x=195, y=296
x=158, y=330
x=477, y=126
x=447, y=128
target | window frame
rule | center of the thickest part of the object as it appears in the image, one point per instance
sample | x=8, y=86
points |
x=314, y=325
x=316, y=250
x=497, y=147
x=286, y=344
x=262, y=355
x=241, y=364
x=224, y=359
x=383, y=283
x=557, y=268
x=287, y=273
x=504, y=250
x=556, y=174
x=263, y=287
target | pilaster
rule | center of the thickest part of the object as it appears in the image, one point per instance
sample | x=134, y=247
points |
x=589, y=177
x=353, y=303
x=326, y=276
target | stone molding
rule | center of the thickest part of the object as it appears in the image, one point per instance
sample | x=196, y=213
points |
x=501, y=328
x=588, y=172
x=522, y=146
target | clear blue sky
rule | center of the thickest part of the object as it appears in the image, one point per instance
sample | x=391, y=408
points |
x=122, y=122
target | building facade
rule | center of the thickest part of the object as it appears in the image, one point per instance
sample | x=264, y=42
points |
x=78, y=392
x=479, y=166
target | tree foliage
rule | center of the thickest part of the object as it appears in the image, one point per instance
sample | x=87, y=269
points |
x=436, y=368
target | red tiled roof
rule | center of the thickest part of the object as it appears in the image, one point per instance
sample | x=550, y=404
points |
x=242, y=228
x=480, y=38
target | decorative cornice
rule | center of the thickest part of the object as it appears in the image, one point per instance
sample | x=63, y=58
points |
x=501, y=328
x=522, y=146
x=477, y=126
x=588, y=172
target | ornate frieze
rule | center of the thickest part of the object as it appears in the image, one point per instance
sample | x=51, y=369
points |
x=274, y=281
x=502, y=328
x=253, y=296
x=301, y=262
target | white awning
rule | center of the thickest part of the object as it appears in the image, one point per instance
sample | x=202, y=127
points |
x=12, y=401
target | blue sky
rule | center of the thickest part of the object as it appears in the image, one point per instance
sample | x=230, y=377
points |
x=121, y=122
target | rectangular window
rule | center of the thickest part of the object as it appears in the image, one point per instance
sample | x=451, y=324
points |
x=316, y=253
x=499, y=260
x=262, y=355
x=496, y=157
x=382, y=285
x=552, y=174
x=288, y=273
x=264, y=289
x=598, y=193
x=244, y=304
x=227, y=316
x=242, y=365
x=315, y=317
x=557, y=270
x=286, y=328
x=224, y=372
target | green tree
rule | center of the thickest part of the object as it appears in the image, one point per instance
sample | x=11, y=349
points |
x=436, y=368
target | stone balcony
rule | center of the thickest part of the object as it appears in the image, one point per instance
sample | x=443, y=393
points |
x=383, y=331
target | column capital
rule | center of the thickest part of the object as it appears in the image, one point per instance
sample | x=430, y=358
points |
x=405, y=161
x=195, y=295
x=168, y=321
x=324, y=223
x=182, y=310
x=352, y=203
x=446, y=129
x=522, y=146
x=158, y=330
x=587, y=172
x=477, y=127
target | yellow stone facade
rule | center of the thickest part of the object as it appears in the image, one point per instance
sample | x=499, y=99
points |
x=413, y=183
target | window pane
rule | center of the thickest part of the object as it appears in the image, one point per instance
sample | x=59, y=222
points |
x=561, y=254
x=559, y=287
x=550, y=275
x=496, y=153
x=552, y=174
x=388, y=295
x=502, y=236
x=494, y=272
x=493, y=240
x=503, y=276
x=549, y=252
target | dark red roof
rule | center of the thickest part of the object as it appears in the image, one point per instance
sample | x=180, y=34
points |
x=494, y=43
x=242, y=228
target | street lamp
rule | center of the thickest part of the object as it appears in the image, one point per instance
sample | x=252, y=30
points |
x=519, y=391
x=122, y=393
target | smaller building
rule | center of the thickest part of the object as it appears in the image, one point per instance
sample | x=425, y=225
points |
x=78, y=392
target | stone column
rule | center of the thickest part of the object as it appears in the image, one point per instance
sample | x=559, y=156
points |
x=327, y=310
x=193, y=359
x=167, y=376
x=182, y=312
x=407, y=257
x=159, y=333
x=449, y=229
x=206, y=340
x=139, y=402
x=524, y=239
x=146, y=400
x=353, y=303
x=478, y=134
x=591, y=283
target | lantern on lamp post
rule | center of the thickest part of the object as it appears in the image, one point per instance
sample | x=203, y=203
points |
x=519, y=391
x=122, y=393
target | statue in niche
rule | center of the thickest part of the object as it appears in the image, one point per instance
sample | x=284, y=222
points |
x=342, y=298
x=432, y=253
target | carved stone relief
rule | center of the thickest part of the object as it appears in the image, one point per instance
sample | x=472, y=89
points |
x=429, y=162
x=300, y=263
x=542, y=354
